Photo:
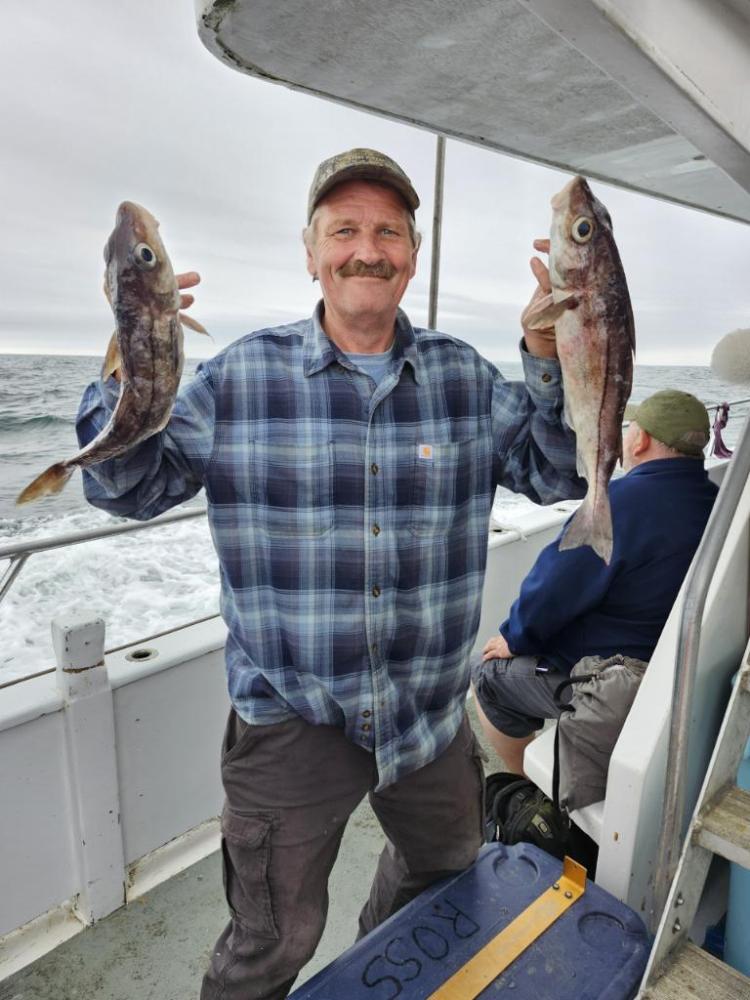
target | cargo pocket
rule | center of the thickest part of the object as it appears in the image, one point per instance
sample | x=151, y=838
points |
x=246, y=855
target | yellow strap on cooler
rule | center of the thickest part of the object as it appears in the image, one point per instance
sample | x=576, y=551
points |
x=497, y=954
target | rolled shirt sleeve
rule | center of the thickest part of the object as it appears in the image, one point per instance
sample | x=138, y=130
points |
x=535, y=450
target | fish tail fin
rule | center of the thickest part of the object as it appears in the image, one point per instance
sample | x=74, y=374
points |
x=51, y=481
x=591, y=525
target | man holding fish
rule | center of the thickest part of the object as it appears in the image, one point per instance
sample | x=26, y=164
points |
x=350, y=463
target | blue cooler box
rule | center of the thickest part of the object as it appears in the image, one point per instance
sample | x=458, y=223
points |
x=596, y=950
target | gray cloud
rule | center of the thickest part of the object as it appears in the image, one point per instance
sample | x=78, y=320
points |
x=103, y=102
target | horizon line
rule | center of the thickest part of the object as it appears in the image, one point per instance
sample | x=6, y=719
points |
x=205, y=357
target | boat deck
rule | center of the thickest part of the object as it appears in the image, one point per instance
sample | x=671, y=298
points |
x=157, y=947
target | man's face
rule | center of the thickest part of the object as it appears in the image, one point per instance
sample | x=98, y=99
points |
x=361, y=251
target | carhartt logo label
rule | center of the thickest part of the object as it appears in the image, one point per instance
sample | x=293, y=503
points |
x=424, y=451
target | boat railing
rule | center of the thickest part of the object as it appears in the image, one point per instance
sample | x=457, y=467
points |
x=19, y=552
x=696, y=590
x=730, y=403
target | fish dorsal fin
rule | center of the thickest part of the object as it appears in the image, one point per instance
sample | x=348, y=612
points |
x=550, y=311
x=193, y=324
x=112, y=359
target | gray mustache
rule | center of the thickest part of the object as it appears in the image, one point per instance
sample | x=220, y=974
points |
x=358, y=269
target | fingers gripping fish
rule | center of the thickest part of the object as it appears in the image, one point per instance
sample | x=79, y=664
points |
x=146, y=347
x=595, y=334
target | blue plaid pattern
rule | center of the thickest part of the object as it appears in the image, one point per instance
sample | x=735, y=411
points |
x=350, y=520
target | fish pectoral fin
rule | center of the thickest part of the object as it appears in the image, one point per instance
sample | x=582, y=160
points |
x=580, y=464
x=112, y=359
x=550, y=311
x=568, y=413
x=193, y=324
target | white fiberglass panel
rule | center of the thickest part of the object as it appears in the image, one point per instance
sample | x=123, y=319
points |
x=37, y=828
x=635, y=785
x=169, y=726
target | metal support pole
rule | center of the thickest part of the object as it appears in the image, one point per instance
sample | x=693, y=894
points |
x=437, y=225
x=10, y=574
x=90, y=735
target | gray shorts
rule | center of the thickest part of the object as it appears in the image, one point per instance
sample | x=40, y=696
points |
x=515, y=695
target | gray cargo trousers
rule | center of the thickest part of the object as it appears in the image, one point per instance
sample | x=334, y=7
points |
x=290, y=789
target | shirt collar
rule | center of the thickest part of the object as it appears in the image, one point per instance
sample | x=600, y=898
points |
x=656, y=466
x=319, y=351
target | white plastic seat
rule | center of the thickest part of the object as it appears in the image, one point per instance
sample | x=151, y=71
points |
x=538, y=763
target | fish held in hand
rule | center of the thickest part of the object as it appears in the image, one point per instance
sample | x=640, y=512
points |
x=146, y=347
x=590, y=308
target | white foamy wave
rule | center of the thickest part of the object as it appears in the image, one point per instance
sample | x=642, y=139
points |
x=140, y=583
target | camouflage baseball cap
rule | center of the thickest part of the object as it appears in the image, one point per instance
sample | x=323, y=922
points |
x=675, y=418
x=360, y=165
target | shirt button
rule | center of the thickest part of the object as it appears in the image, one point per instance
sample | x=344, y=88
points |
x=374, y=469
x=376, y=530
x=546, y=377
x=366, y=727
x=376, y=591
x=367, y=713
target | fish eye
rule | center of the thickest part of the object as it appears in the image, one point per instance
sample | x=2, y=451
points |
x=582, y=229
x=145, y=257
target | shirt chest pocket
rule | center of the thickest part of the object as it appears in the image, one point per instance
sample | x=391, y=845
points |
x=291, y=488
x=444, y=483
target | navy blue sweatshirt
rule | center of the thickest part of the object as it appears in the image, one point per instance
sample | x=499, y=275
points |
x=573, y=605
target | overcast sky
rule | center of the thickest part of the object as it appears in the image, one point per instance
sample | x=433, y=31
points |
x=103, y=101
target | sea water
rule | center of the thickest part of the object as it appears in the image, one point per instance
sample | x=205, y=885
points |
x=148, y=581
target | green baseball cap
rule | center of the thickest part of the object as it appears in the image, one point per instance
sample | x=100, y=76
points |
x=360, y=165
x=675, y=418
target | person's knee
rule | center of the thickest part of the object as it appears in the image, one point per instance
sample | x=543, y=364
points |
x=280, y=957
x=507, y=695
x=301, y=936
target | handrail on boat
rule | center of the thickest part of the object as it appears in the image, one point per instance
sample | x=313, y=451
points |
x=731, y=402
x=697, y=584
x=19, y=552
x=92, y=534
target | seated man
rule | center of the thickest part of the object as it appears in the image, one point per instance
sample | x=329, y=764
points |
x=573, y=605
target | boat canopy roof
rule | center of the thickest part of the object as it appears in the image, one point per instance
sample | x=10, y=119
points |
x=649, y=97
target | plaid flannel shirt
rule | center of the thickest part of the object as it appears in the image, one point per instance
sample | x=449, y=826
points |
x=350, y=520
